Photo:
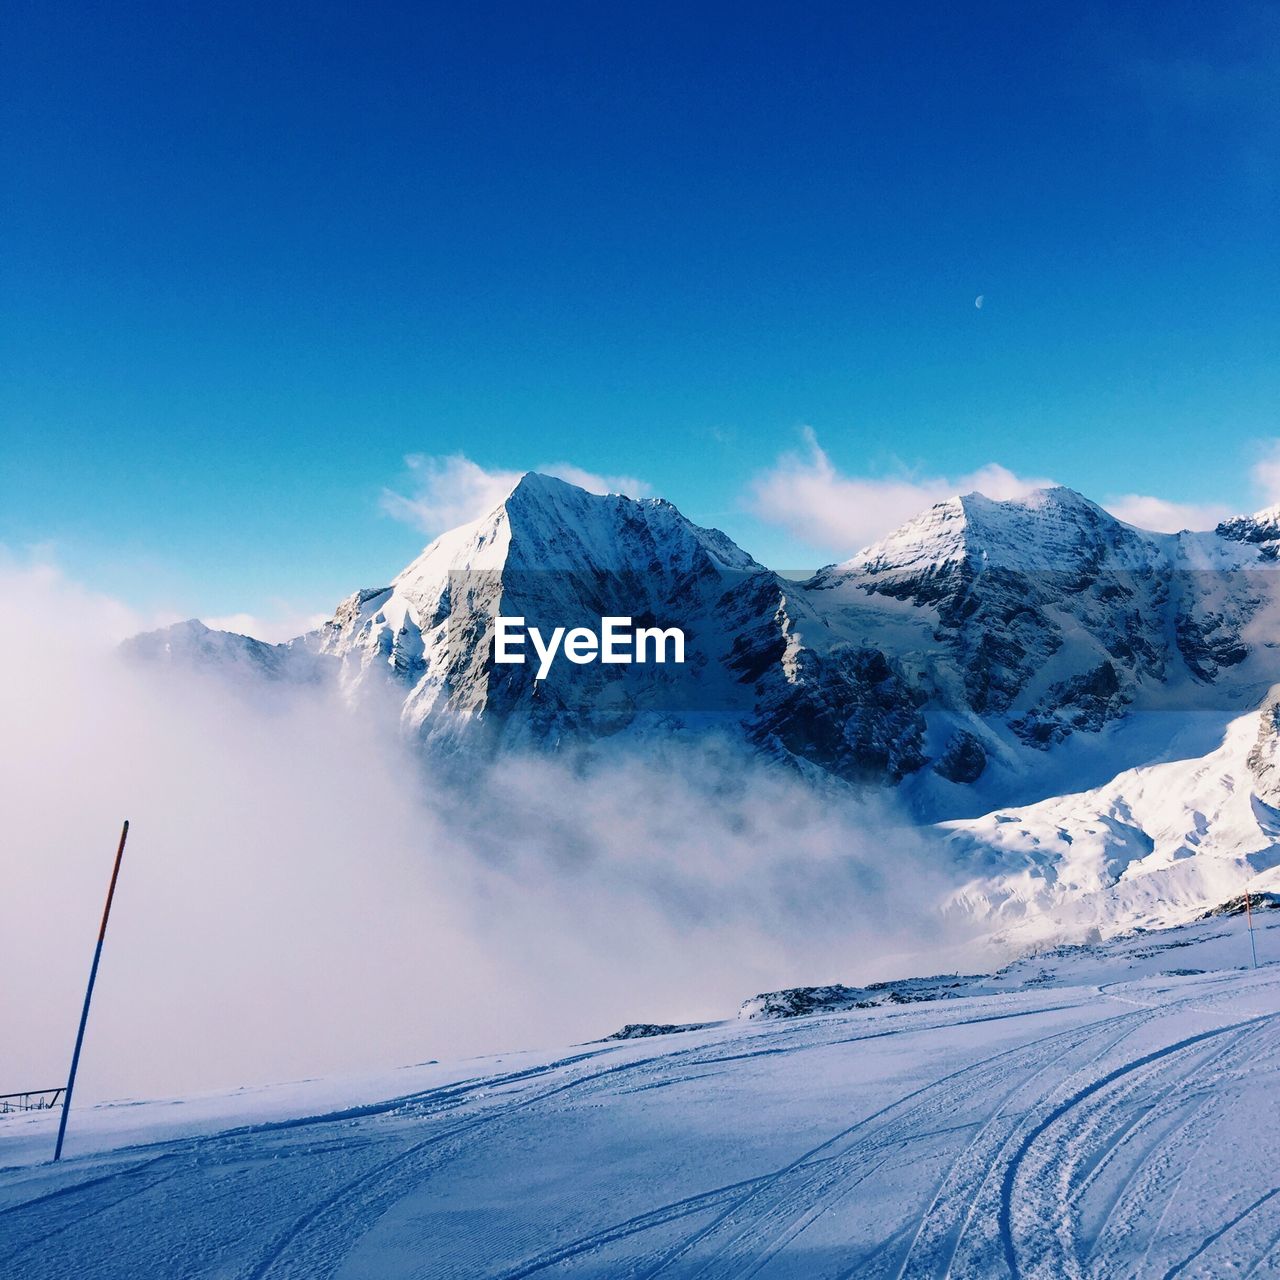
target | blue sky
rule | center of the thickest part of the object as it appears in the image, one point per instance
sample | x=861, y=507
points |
x=254, y=257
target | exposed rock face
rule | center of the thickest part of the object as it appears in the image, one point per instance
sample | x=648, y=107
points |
x=1086, y=701
x=849, y=710
x=1020, y=589
x=557, y=557
x=1263, y=901
x=1264, y=756
x=643, y=1030
x=798, y=1002
x=964, y=758
x=1262, y=528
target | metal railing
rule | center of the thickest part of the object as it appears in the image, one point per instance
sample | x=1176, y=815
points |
x=31, y=1100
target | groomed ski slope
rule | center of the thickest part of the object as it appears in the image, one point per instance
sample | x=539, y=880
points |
x=1098, y=1112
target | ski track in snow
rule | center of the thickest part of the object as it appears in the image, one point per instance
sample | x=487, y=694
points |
x=1120, y=1129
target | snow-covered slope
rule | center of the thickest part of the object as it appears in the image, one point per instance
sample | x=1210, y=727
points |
x=1111, y=1112
x=1153, y=846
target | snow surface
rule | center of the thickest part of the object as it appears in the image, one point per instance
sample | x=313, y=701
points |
x=1152, y=847
x=1108, y=1110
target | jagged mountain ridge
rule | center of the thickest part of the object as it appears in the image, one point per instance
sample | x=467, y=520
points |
x=963, y=654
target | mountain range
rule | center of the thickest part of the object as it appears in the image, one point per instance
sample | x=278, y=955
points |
x=1071, y=702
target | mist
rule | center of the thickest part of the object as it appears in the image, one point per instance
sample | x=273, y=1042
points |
x=302, y=895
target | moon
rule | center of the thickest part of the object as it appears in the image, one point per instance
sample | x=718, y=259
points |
x=977, y=302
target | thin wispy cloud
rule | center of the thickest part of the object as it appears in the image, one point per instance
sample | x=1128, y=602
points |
x=445, y=491
x=837, y=513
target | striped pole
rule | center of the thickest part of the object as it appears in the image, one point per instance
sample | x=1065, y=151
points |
x=1248, y=915
x=88, y=995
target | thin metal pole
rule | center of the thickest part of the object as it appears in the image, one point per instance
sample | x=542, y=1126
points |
x=1248, y=915
x=88, y=995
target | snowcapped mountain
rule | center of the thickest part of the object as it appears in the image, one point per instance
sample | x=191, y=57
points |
x=1032, y=621
x=555, y=556
x=191, y=644
x=1087, y=685
x=977, y=653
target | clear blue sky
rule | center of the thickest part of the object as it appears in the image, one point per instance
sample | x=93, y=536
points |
x=251, y=256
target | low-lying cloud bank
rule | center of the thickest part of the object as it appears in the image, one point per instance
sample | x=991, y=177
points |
x=302, y=895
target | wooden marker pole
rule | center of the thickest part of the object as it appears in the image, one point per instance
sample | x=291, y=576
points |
x=88, y=995
x=1248, y=915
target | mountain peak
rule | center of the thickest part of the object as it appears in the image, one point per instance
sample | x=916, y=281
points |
x=542, y=487
x=554, y=524
x=1046, y=529
x=538, y=484
x=1042, y=499
x=192, y=644
x=1262, y=526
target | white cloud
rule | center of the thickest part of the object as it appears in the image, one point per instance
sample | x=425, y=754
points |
x=447, y=491
x=112, y=620
x=1149, y=512
x=451, y=490
x=33, y=583
x=839, y=514
x=1162, y=516
x=1265, y=474
x=284, y=625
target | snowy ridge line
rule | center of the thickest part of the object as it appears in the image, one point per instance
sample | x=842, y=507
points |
x=918, y=607
x=1018, y=975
